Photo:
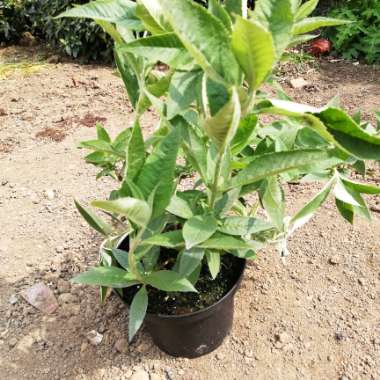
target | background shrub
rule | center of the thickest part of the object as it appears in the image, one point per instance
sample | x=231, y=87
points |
x=360, y=39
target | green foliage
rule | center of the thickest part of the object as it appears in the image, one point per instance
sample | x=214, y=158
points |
x=361, y=38
x=214, y=126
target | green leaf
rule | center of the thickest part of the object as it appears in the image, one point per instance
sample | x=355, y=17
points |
x=179, y=207
x=124, y=63
x=166, y=48
x=198, y=229
x=312, y=23
x=192, y=23
x=226, y=243
x=157, y=12
x=277, y=17
x=148, y=20
x=137, y=312
x=247, y=254
x=301, y=39
x=106, y=276
x=93, y=220
x=306, y=213
x=253, y=47
x=136, y=210
x=172, y=239
x=169, y=281
x=217, y=10
x=243, y=225
x=135, y=153
x=181, y=92
x=244, y=134
x=306, y=9
x=346, y=194
x=102, y=133
x=361, y=187
x=213, y=262
x=350, y=135
x=158, y=172
x=236, y=7
x=190, y=259
x=121, y=257
x=225, y=203
x=222, y=126
x=271, y=164
x=273, y=200
x=345, y=210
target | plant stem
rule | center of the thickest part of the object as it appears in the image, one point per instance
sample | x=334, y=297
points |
x=214, y=187
x=131, y=255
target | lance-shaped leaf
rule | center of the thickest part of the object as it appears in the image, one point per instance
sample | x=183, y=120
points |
x=121, y=257
x=346, y=210
x=125, y=63
x=253, y=47
x=350, y=135
x=213, y=262
x=306, y=9
x=243, y=225
x=121, y=12
x=169, y=281
x=273, y=200
x=106, y=276
x=275, y=163
x=216, y=9
x=180, y=207
x=93, y=220
x=157, y=12
x=237, y=7
x=148, y=20
x=198, y=229
x=312, y=23
x=307, y=212
x=192, y=23
x=166, y=48
x=102, y=134
x=135, y=153
x=227, y=243
x=172, y=239
x=277, y=17
x=361, y=187
x=346, y=194
x=137, y=312
x=181, y=92
x=221, y=128
x=189, y=260
x=136, y=210
x=158, y=172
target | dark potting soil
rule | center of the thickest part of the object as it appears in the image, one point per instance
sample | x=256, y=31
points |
x=209, y=291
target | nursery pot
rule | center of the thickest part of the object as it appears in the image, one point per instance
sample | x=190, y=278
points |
x=195, y=334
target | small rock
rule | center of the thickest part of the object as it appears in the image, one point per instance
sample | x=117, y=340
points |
x=12, y=342
x=298, y=83
x=95, y=338
x=249, y=354
x=4, y=182
x=334, y=260
x=343, y=377
x=362, y=281
x=66, y=298
x=155, y=376
x=339, y=336
x=53, y=59
x=50, y=194
x=13, y=299
x=121, y=345
x=63, y=286
x=41, y=297
x=83, y=347
x=219, y=356
x=140, y=375
x=25, y=343
x=59, y=249
x=282, y=338
x=35, y=200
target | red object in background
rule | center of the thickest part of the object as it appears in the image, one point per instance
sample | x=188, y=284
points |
x=320, y=46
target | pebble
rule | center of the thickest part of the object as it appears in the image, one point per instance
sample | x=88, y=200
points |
x=95, y=338
x=282, y=338
x=362, y=281
x=121, y=345
x=59, y=249
x=140, y=375
x=13, y=299
x=219, y=356
x=66, y=298
x=50, y=194
x=83, y=347
x=63, y=286
x=298, y=83
x=334, y=260
x=155, y=376
x=12, y=342
x=344, y=377
x=35, y=200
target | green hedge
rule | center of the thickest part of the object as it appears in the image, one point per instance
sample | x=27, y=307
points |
x=76, y=38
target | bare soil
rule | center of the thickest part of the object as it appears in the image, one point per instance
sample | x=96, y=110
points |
x=314, y=317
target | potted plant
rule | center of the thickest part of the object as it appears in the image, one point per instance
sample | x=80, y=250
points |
x=176, y=252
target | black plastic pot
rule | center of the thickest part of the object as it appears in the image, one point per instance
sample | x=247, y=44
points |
x=195, y=334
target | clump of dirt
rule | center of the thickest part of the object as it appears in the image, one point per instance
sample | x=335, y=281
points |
x=3, y=112
x=6, y=147
x=65, y=125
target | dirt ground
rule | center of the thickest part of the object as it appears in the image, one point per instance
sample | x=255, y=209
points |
x=315, y=317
